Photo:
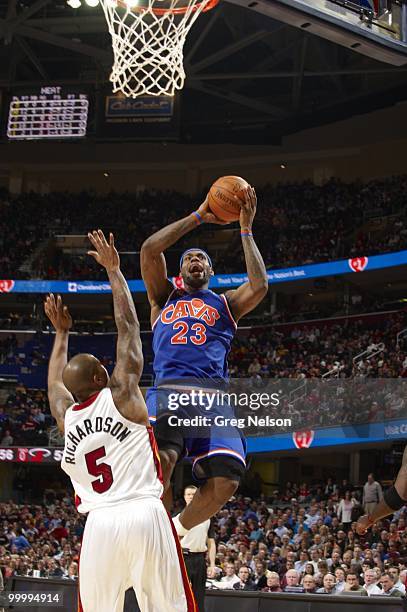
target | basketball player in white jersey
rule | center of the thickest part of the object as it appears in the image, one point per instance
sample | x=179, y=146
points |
x=112, y=460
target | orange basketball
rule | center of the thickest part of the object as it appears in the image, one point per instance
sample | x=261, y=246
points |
x=222, y=200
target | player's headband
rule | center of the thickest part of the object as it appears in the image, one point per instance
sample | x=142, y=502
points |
x=200, y=250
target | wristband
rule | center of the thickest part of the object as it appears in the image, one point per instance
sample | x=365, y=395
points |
x=197, y=217
x=246, y=232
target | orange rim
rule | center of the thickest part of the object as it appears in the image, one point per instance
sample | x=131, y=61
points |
x=176, y=11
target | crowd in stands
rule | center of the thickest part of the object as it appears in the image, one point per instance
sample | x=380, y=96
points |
x=296, y=224
x=302, y=540
x=312, y=350
x=299, y=539
x=25, y=417
x=299, y=353
x=40, y=540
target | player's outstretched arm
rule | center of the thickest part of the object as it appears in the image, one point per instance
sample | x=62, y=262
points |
x=250, y=294
x=129, y=354
x=58, y=395
x=394, y=499
x=153, y=265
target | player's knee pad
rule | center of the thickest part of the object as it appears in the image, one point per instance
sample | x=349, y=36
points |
x=220, y=466
x=393, y=499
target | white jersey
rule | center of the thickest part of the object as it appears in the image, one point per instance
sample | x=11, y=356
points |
x=108, y=458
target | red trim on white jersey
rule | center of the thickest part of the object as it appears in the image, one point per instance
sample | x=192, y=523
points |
x=189, y=594
x=156, y=455
x=86, y=403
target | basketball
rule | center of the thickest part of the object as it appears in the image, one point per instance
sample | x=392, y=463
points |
x=222, y=200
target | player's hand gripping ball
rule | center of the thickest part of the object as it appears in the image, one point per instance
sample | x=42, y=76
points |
x=226, y=197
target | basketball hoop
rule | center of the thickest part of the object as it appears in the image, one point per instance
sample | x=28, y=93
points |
x=148, y=40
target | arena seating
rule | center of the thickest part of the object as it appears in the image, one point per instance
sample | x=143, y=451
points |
x=293, y=351
x=266, y=534
x=296, y=223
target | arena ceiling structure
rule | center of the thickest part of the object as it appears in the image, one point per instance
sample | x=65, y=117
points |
x=250, y=78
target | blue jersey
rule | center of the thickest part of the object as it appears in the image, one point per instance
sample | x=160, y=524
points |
x=192, y=337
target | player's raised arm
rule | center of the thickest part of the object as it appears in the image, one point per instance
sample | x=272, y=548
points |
x=153, y=265
x=129, y=355
x=250, y=294
x=58, y=395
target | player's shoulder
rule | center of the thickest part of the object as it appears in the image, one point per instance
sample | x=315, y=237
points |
x=103, y=395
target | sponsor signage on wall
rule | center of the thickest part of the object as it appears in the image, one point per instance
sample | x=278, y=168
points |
x=357, y=265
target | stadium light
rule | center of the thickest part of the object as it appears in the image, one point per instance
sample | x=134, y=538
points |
x=92, y=3
x=74, y=3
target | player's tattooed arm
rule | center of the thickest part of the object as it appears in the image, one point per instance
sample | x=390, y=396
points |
x=58, y=395
x=153, y=264
x=250, y=294
x=129, y=353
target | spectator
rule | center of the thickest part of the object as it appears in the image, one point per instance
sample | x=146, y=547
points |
x=329, y=583
x=372, y=494
x=388, y=586
x=260, y=579
x=340, y=580
x=73, y=573
x=281, y=529
x=299, y=565
x=395, y=573
x=7, y=439
x=309, y=570
x=292, y=579
x=315, y=558
x=20, y=542
x=330, y=488
x=322, y=571
x=344, y=511
x=273, y=583
x=229, y=579
x=352, y=586
x=370, y=584
x=244, y=583
x=309, y=584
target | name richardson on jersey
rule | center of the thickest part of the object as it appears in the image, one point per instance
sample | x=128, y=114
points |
x=87, y=427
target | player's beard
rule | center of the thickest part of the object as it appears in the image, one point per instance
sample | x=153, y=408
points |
x=196, y=282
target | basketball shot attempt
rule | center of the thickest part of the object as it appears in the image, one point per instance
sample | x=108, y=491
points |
x=193, y=329
x=112, y=459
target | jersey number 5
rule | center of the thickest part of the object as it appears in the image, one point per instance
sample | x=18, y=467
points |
x=182, y=328
x=102, y=470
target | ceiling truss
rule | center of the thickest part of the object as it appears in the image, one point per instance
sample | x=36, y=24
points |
x=251, y=68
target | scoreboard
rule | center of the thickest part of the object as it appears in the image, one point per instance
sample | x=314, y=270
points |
x=51, y=112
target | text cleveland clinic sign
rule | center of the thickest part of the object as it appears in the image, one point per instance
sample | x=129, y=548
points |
x=356, y=265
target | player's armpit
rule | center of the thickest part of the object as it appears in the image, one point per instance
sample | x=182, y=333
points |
x=60, y=399
x=245, y=299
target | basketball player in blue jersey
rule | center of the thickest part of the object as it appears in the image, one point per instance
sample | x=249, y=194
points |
x=193, y=330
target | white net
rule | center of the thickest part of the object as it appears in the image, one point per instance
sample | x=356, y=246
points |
x=148, y=47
